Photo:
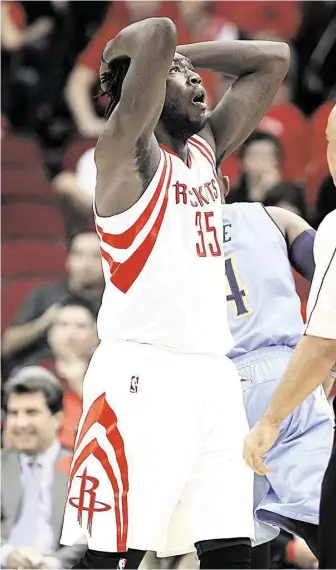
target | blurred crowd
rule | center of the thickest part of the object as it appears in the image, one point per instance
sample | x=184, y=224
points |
x=51, y=117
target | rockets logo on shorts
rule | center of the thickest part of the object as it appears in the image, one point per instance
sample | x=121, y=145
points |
x=134, y=384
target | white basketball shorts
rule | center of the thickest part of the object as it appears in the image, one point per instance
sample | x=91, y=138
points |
x=160, y=433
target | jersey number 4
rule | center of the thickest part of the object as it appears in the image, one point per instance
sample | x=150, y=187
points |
x=207, y=234
x=236, y=293
x=208, y=242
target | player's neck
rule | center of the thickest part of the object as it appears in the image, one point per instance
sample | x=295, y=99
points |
x=179, y=147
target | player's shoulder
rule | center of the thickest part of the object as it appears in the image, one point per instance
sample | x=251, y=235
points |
x=243, y=208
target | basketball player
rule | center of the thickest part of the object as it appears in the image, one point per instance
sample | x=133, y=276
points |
x=314, y=356
x=260, y=245
x=159, y=424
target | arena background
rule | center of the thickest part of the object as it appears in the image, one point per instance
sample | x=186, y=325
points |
x=51, y=116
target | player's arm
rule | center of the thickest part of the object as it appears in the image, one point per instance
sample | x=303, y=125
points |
x=259, y=68
x=329, y=383
x=313, y=358
x=148, y=46
x=300, y=238
x=135, y=66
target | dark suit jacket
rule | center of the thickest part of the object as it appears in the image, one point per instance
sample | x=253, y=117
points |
x=11, y=494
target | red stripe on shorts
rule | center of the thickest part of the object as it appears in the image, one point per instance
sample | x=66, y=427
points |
x=100, y=412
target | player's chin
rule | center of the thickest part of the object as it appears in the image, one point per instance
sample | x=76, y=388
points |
x=198, y=110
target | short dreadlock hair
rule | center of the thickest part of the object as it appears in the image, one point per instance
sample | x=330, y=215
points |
x=112, y=81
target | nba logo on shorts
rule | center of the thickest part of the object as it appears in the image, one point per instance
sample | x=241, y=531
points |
x=122, y=563
x=134, y=384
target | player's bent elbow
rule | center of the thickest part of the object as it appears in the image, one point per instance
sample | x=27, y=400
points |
x=164, y=35
x=278, y=58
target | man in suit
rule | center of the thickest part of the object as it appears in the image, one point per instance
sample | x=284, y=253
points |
x=34, y=483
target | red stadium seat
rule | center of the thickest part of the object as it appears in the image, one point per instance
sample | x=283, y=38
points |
x=288, y=124
x=30, y=220
x=231, y=167
x=276, y=17
x=13, y=294
x=75, y=151
x=26, y=183
x=32, y=257
x=318, y=166
x=20, y=152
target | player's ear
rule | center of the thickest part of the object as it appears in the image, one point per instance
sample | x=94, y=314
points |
x=226, y=185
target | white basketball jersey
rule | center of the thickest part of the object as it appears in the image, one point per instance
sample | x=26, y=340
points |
x=163, y=260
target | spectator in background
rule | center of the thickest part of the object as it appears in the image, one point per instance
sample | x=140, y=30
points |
x=261, y=159
x=34, y=33
x=289, y=196
x=72, y=338
x=200, y=22
x=33, y=488
x=286, y=122
x=76, y=190
x=26, y=340
x=326, y=200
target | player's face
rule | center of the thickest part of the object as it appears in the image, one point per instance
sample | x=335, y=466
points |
x=84, y=262
x=73, y=333
x=260, y=157
x=184, y=111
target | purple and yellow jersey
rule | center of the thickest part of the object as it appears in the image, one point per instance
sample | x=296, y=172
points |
x=264, y=309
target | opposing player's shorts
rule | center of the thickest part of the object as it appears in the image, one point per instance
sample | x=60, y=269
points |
x=299, y=458
x=160, y=433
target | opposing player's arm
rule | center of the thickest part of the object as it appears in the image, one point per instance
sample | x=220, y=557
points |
x=300, y=238
x=148, y=46
x=259, y=68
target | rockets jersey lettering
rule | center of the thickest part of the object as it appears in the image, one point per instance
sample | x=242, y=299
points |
x=263, y=306
x=163, y=260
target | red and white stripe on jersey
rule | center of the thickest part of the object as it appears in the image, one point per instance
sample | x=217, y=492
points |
x=127, y=252
x=101, y=423
x=205, y=149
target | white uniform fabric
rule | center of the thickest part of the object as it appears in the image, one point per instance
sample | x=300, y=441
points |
x=163, y=263
x=161, y=434
x=321, y=306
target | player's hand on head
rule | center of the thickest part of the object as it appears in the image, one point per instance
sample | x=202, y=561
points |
x=256, y=444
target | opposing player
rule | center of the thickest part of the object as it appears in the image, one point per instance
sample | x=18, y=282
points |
x=260, y=246
x=163, y=418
